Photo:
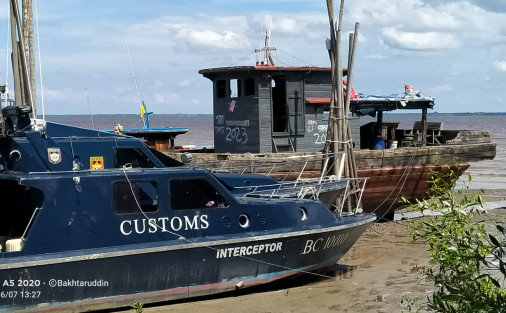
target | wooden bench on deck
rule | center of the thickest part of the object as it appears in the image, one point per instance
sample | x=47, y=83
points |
x=434, y=136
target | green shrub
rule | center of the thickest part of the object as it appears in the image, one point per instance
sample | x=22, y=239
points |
x=468, y=268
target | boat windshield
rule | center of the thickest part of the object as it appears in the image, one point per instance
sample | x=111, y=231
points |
x=131, y=156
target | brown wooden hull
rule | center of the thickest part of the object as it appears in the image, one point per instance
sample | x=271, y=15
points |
x=392, y=173
x=386, y=185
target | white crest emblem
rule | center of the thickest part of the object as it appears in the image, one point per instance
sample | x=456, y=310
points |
x=54, y=155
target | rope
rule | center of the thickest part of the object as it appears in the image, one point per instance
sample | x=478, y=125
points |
x=404, y=176
x=244, y=57
x=282, y=51
x=40, y=62
x=133, y=73
x=7, y=54
x=180, y=237
x=349, y=141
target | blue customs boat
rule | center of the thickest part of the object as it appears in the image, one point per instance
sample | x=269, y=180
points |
x=95, y=220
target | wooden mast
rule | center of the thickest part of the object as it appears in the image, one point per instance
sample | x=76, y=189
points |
x=16, y=63
x=29, y=48
x=334, y=135
x=24, y=86
x=339, y=130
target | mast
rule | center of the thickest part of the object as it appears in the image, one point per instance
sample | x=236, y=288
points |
x=267, y=50
x=29, y=48
x=24, y=86
x=18, y=93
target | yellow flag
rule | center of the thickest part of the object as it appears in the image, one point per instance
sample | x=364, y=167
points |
x=143, y=111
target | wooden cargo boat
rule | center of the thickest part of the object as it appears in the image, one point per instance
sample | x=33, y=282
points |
x=266, y=113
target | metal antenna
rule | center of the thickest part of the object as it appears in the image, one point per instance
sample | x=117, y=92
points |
x=267, y=48
x=133, y=75
x=89, y=107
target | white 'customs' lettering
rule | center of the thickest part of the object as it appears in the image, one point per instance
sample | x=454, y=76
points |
x=122, y=228
x=163, y=224
x=248, y=250
x=176, y=223
x=312, y=246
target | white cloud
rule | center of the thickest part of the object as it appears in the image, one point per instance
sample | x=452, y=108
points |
x=399, y=40
x=376, y=56
x=421, y=25
x=419, y=40
x=500, y=66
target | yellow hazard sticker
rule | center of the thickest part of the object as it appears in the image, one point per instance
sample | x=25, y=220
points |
x=97, y=163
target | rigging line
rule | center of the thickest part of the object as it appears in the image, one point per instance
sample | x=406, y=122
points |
x=398, y=193
x=279, y=60
x=244, y=57
x=137, y=122
x=72, y=147
x=40, y=62
x=180, y=237
x=133, y=73
x=7, y=51
x=312, y=65
x=403, y=176
x=89, y=107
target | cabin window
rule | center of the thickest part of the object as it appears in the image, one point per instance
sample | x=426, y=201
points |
x=249, y=87
x=133, y=156
x=235, y=88
x=221, y=88
x=128, y=194
x=198, y=193
x=20, y=205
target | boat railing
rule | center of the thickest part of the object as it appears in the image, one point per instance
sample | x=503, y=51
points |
x=352, y=197
x=299, y=188
x=284, y=168
x=348, y=191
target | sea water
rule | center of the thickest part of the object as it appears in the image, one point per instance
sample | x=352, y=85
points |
x=489, y=174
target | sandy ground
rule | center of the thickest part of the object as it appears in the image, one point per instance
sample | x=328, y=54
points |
x=372, y=277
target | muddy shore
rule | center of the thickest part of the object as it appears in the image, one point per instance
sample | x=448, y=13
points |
x=376, y=275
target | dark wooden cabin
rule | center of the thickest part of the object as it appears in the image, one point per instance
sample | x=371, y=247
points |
x=266, y=108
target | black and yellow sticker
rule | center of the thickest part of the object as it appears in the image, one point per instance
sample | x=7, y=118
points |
x=97, y=163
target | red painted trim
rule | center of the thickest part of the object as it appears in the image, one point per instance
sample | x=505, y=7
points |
x=318, y=100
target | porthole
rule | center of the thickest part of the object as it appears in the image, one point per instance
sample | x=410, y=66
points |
x=244, y=221
x=15, y=155
x=303, y=213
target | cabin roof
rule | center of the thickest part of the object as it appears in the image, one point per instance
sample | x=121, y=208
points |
x=365, y=105
x=263, y=68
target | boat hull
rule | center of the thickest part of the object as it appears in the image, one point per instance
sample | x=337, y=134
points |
x=108, y=278
x=391, y=173
x=386, y=185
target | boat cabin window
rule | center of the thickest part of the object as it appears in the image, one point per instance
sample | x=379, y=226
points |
x=126, y=196
x=221, y=88
x=249, y=87
x=133, y=156
x=235, y=88
x=195, y=193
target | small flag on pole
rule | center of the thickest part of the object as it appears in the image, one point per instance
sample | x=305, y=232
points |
x=143, y=110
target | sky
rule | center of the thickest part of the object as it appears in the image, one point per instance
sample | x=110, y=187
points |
x=454, y=51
